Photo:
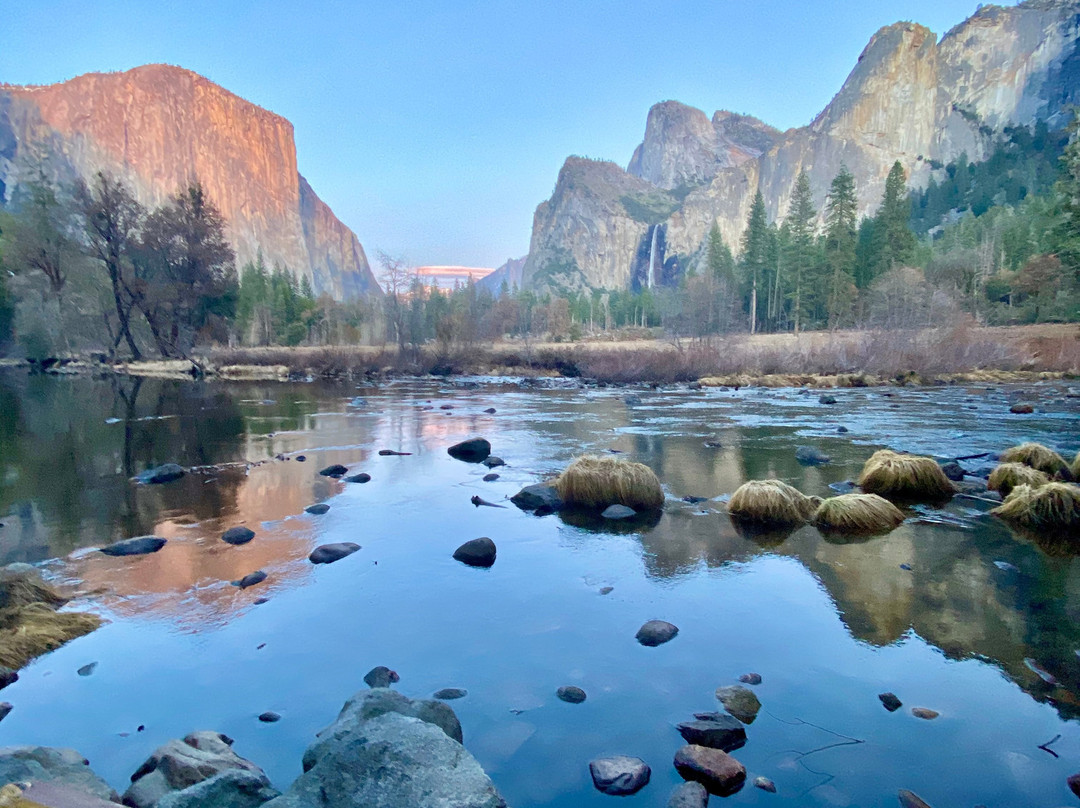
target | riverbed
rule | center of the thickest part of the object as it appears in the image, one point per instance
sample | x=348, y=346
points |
x=952, y=611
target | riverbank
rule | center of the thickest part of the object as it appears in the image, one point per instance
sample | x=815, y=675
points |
x=816, y=359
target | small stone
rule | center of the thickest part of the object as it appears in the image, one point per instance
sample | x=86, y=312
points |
x=251, y=579
x=5, y=708
x=618, y=512
x=301, y=458
x=719, y=772
x=238, y=535
x=694, y=500
x=269, y=717
x=336, y=470
x=765, y=784
x=392, y=453
x=632, y=400
x=910, y=800
x=260, y=601
x=606, y=590
x=1022, y=409
x=924, y=713
x=473, y=450
x=827, y=400
x=446, y=406
x=750, y=678
x=953, y=470
x=890, y=702
x=362, y=477
x=318, y=509
x=1073, y=782
x=689, y=795
x=140, y=545
x=477, y=552
x=571, y=694
x=450, y=693
x=329, y=553
x=490, y=478
x=619, y=775
x=740, y=702
x=718, y=732
x=490, y=410
x=656, y=632
x=843, y=430
x=493, y=462
x=381, y=676
x=87, y=669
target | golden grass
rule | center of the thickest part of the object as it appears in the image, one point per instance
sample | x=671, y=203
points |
x=1054, y=506
x=32, y=630
x=23, y=588
x=597, y=482
x=771, y=502
x=1009, y=475
x=900, y=476
x=1039, y=457
x=858, y=513
x=1076, y=466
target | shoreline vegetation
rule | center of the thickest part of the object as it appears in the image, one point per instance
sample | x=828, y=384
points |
x=862, y=358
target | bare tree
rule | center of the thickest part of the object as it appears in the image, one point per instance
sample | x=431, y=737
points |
x=397, y=280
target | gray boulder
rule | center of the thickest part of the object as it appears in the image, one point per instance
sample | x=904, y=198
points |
x=620, y=775
x=235, y=788
x=44, y=764
x=689, y=795
x=387, y=751
x=180, y=764
x=538, y=495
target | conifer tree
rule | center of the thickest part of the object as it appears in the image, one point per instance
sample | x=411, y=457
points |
x=800, y=242
x=840, y=240
x=755, y=252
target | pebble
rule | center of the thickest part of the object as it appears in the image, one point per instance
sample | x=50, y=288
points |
x=490, y=410
x=477, y=552
x=890, y=702
x=362, y=477
x=607, y=590
x=571, y=694
x=618, y=512
x=827, y=400
x=335, y=470
x=329, y=553
x=269, y=717
x=87, y=669
x=765, y=784
x=318, y=509
x=1021, y=409
x=490, y=478
x=656, y=632
x=251, y=579
x=238, y=535
x=750, y=678
x=925, y=713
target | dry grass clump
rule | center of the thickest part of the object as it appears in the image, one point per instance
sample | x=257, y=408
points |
x=1076, y=466
x=23, y=588
x=900, y=476
x=858, y=513
x=1009, y=475
x=1039, y=457
x=1054, y=506
x=771, y=502
x=29, y=623
x=597, y=482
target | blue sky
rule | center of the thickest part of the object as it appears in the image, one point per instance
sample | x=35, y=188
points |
x=433, y=129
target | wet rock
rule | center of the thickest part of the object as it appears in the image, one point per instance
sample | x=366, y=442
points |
x=719, y=772
x=750, y=678
x=632, y=400
x=844, y=487
x=377, y=754
x=695, y=500
x=5, y=708
x=890, y=702
x=251, y=579
x=7, y=677
x=689, y=795
x=392, y=453
x=606, y=590
x=1073, y=782
x=161, y=474
x=238, y=535
x=335, y=470
x=362, y=477
x=301, y=458
x=490, y=478
x=140, y=545
x=571, y=694
x=476, y=552
x=924, y=713
x=329, y=553
x=318, y=509
x=473, y=450
x=490, y=410
x=811, y=456
x=538, y=495
x=450, y=693
x=618, y=512
x=493, y=462
x=446, y=406
x=656, y=632
x=179, y=765
x=765, y=784
x=827, y=400
x=60, y=767
x=843, y=430
x=235, y=788
x=269, y=717
x=260, y=601
x=1022, y=409
x=953, y=470
x=713, y=444
x=720, y=732
x=381, y=676
x=740, y=702
x=88, y=669
x=910, y=800
x=619, y=775
x=477, y=501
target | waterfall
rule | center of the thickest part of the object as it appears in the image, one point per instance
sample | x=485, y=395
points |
x=652, y=259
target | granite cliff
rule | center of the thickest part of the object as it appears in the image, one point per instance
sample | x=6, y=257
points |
x=157, y=127
x=910, y=97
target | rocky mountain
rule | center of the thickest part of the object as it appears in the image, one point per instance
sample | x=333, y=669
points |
x=510, y=273
x=910, y=97
x=157, y=127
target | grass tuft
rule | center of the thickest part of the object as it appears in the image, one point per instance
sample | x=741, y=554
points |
x=771, y=502
x=900, y=476
x=596, y=482
x=858, y=513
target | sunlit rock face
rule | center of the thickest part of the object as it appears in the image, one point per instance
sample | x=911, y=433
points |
x=158, y=127
x=909, y=97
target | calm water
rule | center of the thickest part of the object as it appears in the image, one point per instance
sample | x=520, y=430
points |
x=944, y=611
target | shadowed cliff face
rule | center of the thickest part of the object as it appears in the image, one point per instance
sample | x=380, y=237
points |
x=909, y=98
x=158, y=127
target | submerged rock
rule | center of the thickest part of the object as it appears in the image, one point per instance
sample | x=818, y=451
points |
x=1022, y=409
x=180, y=764
x=392, y=453
x=329, y=553
x=450, y=693
x=1073, y=781
x=536, y=496
x=377, y=754
x=61, y=767
x=811, y=456
x=827, y=400
x=88, y=669
x=490, y=478
x=953, y=470
x=161, y=474
x=740, y=702
x=911, y=800
x=689, y=795
x=238, y=535
x=476, y=552
x=765, y=784
x=619, y=775
x=719, y=772
x=5, y=708
x=656, y=632
x=362, y=477
x=490, y=410
x=618, y=512
x=140, y=545
x=473, y=450
x=381, y=676
x=924, y=713
x=493, y=462
x=571, y=694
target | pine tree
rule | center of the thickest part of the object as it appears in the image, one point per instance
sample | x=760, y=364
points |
x=1067, y=189
x=755, y=252
x=895, y=239
x=800, y=231
x=840, y=239
x=720, y=261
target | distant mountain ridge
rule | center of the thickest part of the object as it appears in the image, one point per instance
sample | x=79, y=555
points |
x=157, y=127
x=909, y=97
